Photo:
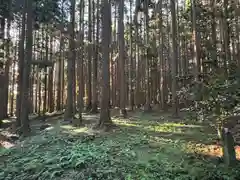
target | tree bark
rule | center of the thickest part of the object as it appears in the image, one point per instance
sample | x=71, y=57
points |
x=69, y=113
x=105, y=119
x=25, y=128
x=174, y=59
x=121, y=59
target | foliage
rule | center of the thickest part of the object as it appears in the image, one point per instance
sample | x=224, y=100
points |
x=220, y=93
x=139, y=149
x=45, y=11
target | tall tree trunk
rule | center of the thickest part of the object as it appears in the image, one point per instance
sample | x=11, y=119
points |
x=50, y=80
x=196, y=43
x=7, y=66
x=114, y=61
x=105, y=119
x=70, y=66
x=121, y=59
x=160, y=55
x=147, y=106
x=13, y=81
x=95, y=59
x=226, y=32
x=89, y=75
x=214, y=35
x=131, y=69
x=137, y=92
x=46, y=39
x=80, y=63
x=174, y=58
x=26, y=72
x=2, y=73
x=196, y=49
x=59, y=72
x=21, y=67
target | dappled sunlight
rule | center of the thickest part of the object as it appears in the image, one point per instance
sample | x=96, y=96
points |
x=161, y=147
x=67, y=127
x=6, y=121
x=75, y=130
x=6, y=144
x=150, y=125
x=80, y=130
x=125, y=122
x=182, y=125
x=162, y=128
x=49, y=128
x=215, y=150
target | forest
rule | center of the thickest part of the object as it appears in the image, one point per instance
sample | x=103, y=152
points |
x=119, y=89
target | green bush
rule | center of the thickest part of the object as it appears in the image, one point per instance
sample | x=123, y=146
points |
x=219, y=94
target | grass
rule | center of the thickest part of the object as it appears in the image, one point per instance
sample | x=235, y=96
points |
x=143, y=147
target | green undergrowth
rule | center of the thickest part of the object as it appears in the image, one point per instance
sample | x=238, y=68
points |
x=143, y=147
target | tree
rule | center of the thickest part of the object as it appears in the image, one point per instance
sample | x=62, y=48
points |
x=147, y=106
x=89, y=62
x=80, y=62
x=131, y=67
x=121, y=59
x=25, y=127
x=95, y=60
x=174, y=58
x=69, y=113
x=105, y=119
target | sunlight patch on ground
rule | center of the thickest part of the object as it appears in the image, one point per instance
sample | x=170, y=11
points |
x=75, y=130
x=125, y=122
x=213, y=150
x=6, y=144
x=162, y=128
x=67, y=127
x=155, y=126
x=181, y=125
x=80, y=130
x=49, y=128
x=6, y=121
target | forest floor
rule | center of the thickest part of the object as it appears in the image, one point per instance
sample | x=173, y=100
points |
x=141, y=147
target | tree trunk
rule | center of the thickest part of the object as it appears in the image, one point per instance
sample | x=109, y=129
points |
x=7, y=67
x=131, y=69
x=45, y=70
x=80, y=64
x=50, y=81
x=70, y=66
x=59, y=72
x=95, y=60
x=174, y=59
x=121, y=59
x=21, y=67
x=25, y=129
x=147, y=106
x=105, y=119
x=89, y=64
x=2, y=73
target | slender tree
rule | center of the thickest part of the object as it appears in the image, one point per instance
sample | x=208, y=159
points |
x=174, y=58
x=121, y=59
